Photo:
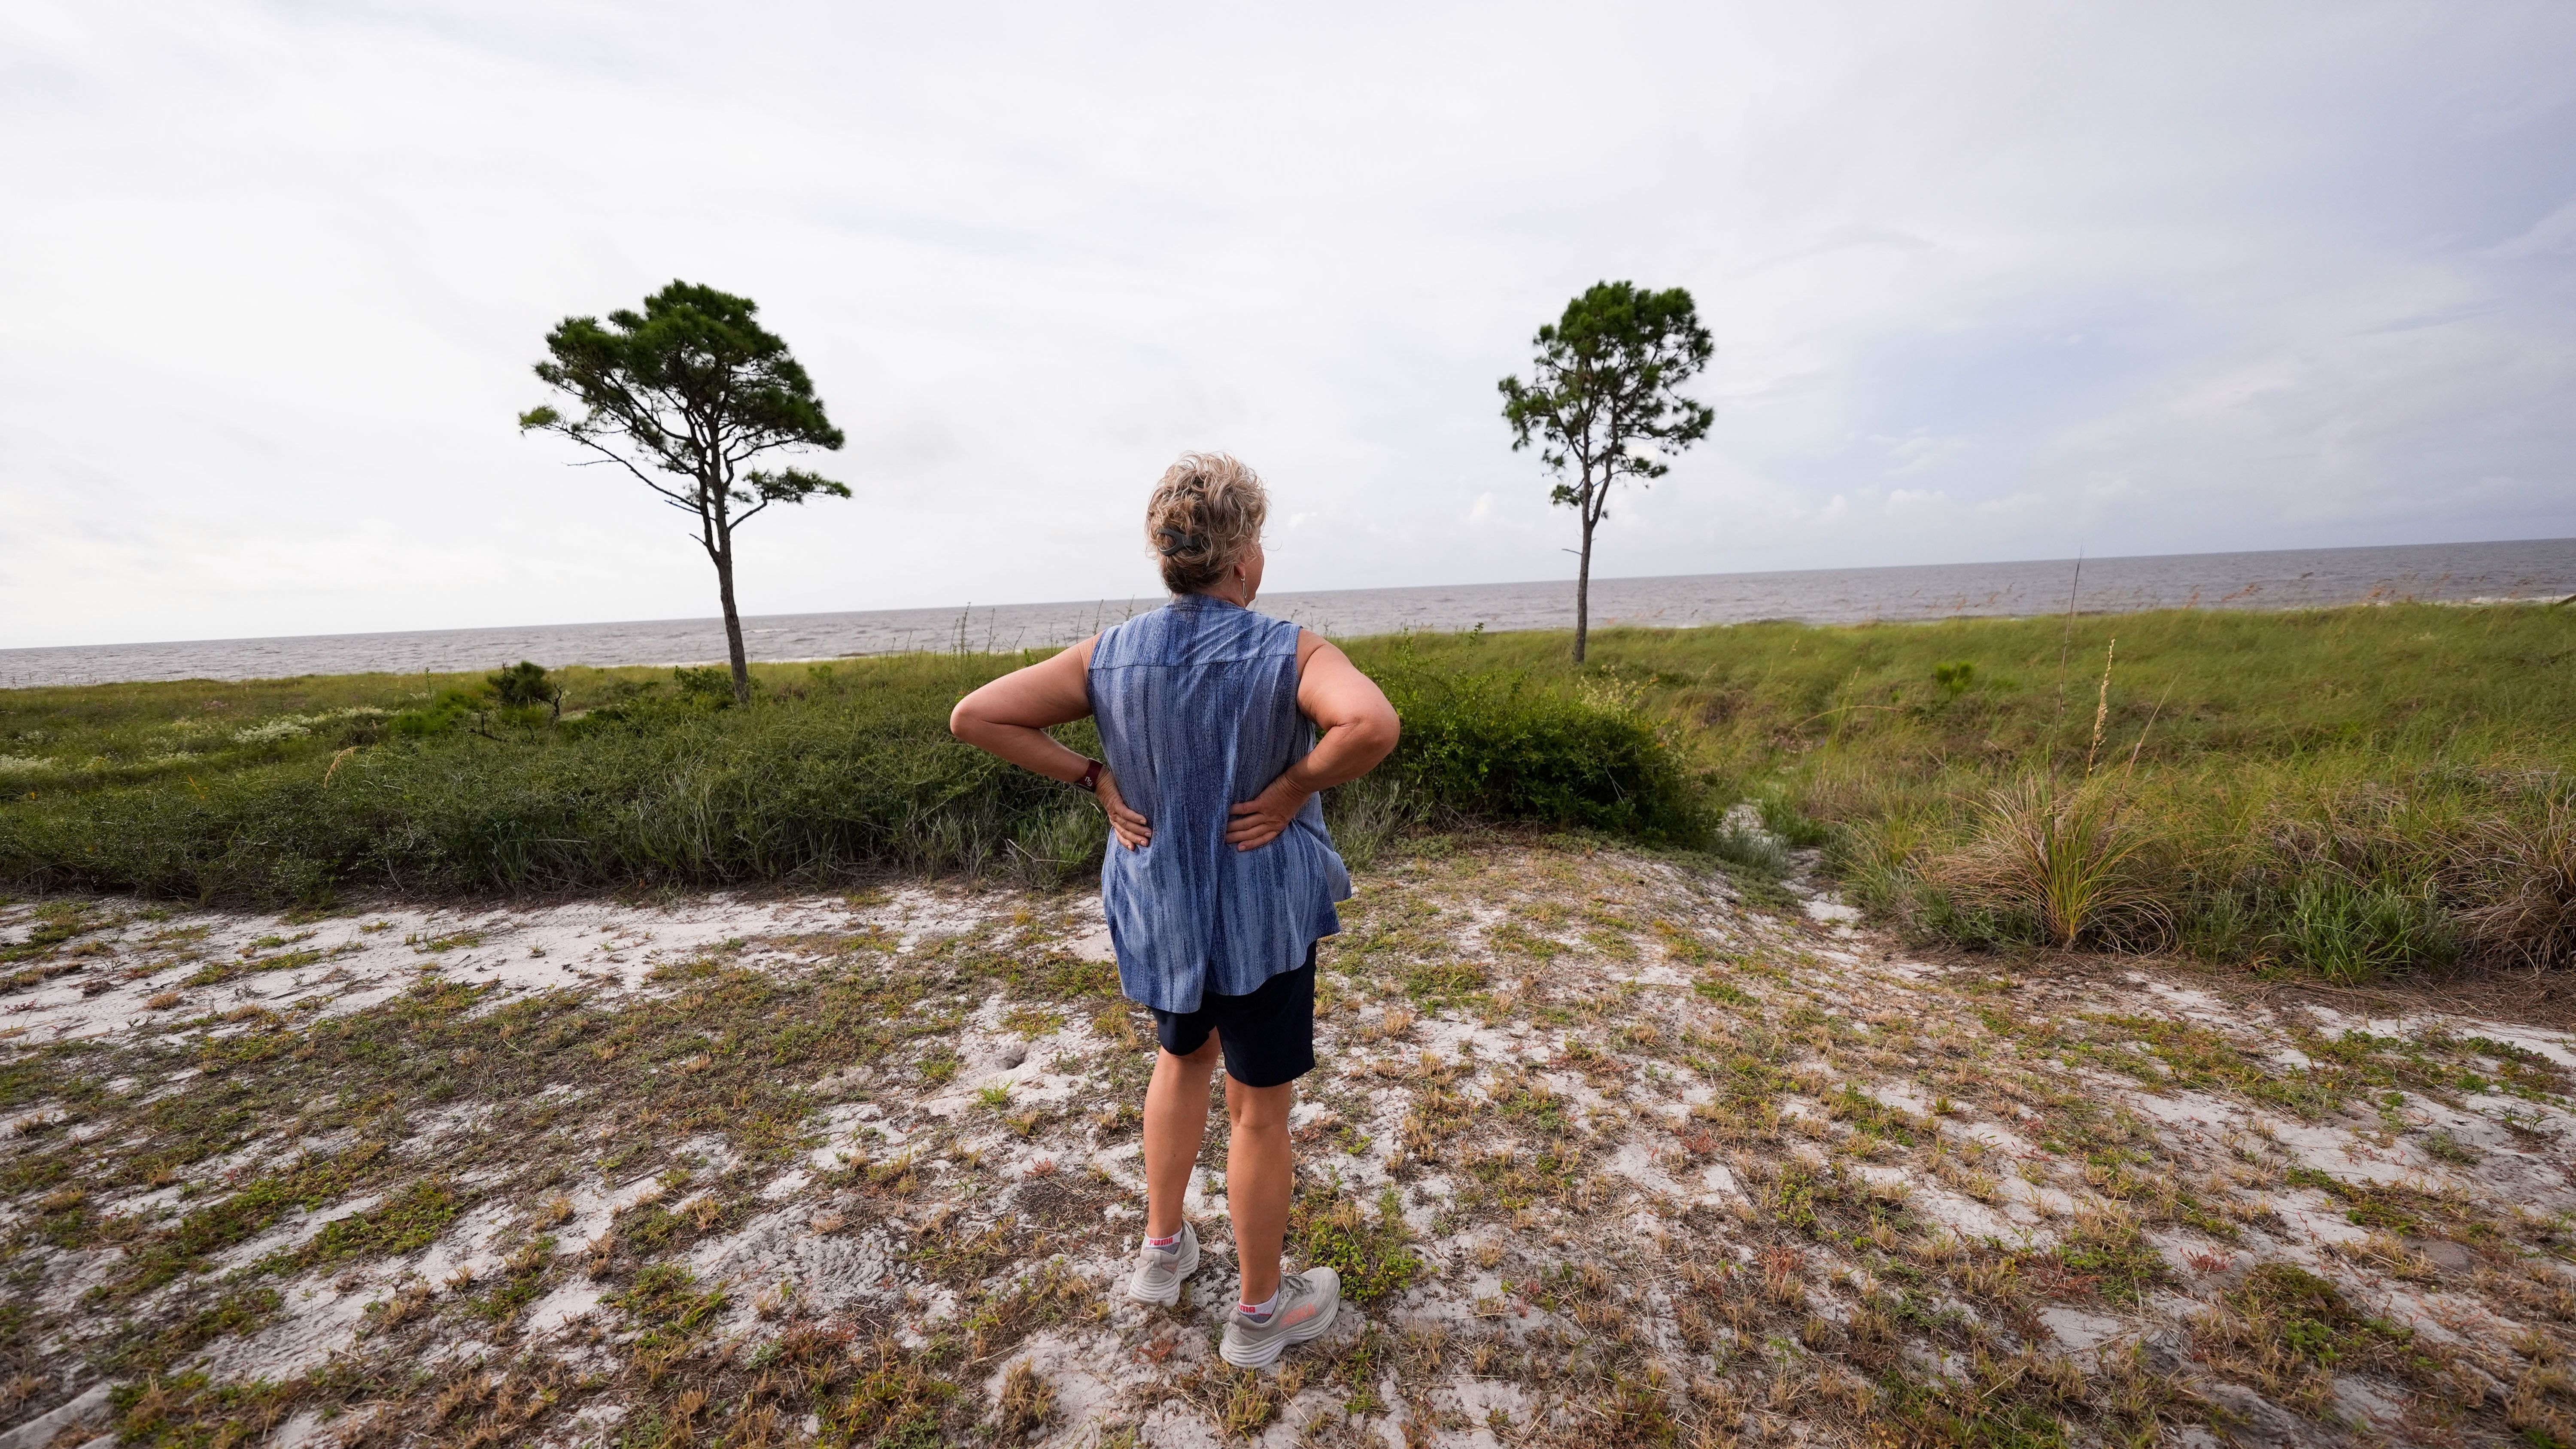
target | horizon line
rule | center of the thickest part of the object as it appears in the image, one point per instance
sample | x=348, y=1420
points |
x=965, y=609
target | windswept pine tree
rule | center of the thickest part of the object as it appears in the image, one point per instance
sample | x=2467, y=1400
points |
x=683, y=395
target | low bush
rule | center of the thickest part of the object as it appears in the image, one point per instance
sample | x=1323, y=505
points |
x=1502, y=745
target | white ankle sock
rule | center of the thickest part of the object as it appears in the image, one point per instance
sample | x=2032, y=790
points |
x=1262, y=1309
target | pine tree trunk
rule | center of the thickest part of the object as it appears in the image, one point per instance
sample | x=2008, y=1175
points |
x=1583, y=593
x=733, y=628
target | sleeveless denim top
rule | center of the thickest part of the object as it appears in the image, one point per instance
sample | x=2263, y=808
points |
x=1197, y=707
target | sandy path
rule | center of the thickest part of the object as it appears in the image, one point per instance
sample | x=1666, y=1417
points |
x=1614, y=1157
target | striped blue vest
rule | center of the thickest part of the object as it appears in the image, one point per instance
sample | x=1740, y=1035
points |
x=1197, y=706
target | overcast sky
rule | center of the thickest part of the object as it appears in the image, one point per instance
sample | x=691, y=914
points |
x=1986, y=281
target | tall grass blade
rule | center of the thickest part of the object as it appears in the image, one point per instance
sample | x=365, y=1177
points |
x=2101, y=710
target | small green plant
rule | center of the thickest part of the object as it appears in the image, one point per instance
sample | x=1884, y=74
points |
x=1716, y=990
x=1369, y=1254
x=1794, y=827
x=1438, y=984
x=404, y=1223
x=2451, y=1149
x=2309, y=1318
x=2351, y=931
x=1027, y=1402
x=2115, y=1255
x=1032, y=1022
x=1955, y=678
x=665, y=1297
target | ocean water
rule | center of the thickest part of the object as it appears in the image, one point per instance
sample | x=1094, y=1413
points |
x=2288, y=579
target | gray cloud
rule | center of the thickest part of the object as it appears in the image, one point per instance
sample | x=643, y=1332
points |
x=1987, y=281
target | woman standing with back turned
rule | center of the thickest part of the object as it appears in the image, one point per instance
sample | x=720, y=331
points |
x=1220, y=878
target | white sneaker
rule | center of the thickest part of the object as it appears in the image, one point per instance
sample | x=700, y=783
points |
x=1159, y=1271
x=1305, y=1308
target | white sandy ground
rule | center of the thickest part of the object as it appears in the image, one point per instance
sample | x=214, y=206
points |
x=1582, y=996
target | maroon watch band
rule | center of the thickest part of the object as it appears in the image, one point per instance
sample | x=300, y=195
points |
x=1091, y=778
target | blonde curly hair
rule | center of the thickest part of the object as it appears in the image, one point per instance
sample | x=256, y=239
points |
x=1204, y=513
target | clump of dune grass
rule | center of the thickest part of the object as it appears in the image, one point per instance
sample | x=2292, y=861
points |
x=2522, y=883
x=2351, y=931
x=1369, y=815
x=2064, y=858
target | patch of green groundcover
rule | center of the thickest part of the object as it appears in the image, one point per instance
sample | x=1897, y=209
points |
x=444, y=789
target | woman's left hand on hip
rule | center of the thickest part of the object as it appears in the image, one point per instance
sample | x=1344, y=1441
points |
x=1258, y=821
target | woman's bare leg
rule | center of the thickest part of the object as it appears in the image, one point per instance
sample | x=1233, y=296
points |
x=1259, y=1177
x=1176, y=1110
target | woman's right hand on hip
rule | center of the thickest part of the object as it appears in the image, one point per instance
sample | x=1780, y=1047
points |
x=1126, y=824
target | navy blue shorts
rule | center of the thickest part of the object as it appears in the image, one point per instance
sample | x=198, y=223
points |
x=1268, y=1036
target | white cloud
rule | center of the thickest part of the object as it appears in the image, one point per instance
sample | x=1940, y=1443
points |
x=1922, y=453
x=2191, y=276
x=2552, y=235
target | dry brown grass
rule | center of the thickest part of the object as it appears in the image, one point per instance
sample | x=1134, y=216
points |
x=1026, y=1403
x=2524, y=877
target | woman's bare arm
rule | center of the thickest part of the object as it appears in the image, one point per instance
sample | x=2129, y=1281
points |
x=1009, y=718
x=1360, y=729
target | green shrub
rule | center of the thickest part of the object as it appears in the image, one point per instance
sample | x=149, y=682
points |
x=524, y=686
x=1503, y=746
x=710, y=686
